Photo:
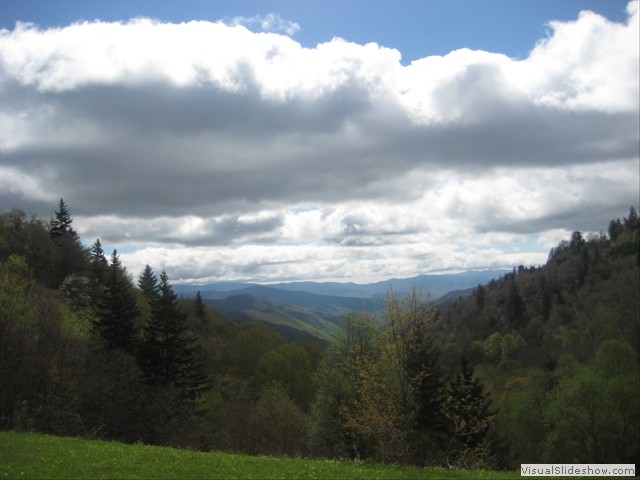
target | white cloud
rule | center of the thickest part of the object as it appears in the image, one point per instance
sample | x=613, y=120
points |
x=272, y=23
x=224, y=153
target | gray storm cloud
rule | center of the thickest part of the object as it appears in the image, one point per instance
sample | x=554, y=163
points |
x=204, y=134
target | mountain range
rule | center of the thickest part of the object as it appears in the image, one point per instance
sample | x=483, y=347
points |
x=315, y=310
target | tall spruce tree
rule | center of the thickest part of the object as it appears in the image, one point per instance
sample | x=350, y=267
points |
x=118, y=312
x=167, y=354
x=429, y=425
x=61, y=224
x=99, y=262
x=199, y=308
x=467, y=407
x=69, y=257
x=148, y=283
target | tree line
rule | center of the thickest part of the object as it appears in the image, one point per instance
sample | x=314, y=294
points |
x=498, y=378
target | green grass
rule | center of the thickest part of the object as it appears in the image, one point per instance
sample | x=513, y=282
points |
x=32, y=456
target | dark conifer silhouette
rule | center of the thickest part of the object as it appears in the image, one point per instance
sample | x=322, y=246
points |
x=148, y=283
x=167, y=355
x=199, y=307
x=118, y=312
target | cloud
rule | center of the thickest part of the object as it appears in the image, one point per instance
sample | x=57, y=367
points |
x=272, y=23
x=227, y=153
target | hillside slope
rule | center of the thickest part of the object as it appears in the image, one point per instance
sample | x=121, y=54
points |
x=586, y=293
x=293, y=323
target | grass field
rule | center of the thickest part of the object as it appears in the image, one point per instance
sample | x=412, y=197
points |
x=33, y=456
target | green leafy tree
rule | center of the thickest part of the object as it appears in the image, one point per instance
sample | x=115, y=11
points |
x=248, y=347
x=27, y=236
x=335, y=380
x=406, y=344
x=280, y=423
x=118, y=312
x=168, y=351
x=290, y=366
x=39, y=357
x=500, y=348
x=376, y=417
x=18, y=336
x=592, y=416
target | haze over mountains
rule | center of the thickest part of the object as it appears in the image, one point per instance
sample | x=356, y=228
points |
x=314, y=310
x=435, y=285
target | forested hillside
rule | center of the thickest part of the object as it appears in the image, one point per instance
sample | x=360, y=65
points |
x=539, y=365
x=558, y=348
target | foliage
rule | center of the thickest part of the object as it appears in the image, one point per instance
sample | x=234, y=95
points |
x=553, y=349
x=467, y=407
x=280, y=423
x=116, y=319
x=99, y=262
x=553, y=401
x=390, y=396
x=148, y=283
x=592, y=415
x=200, y=308
x=68, y=254
x=499, y=347
x=167, y=352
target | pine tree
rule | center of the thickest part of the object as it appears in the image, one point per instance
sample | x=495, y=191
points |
x=118, y=312
x=429, y=425
x=515, y=306
x=200, y=308
x=167, y=356
x=467, y=407
x=480, y=296
x=69, y=257
x=99, y=262
x=61, y=224
x=148, y=283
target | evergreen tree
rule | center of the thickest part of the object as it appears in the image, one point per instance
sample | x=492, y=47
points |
x=467, y=407
x=167, y=356
x=429, y=425
x=148, y=283
x=61, y=224
x=69, y=257
x=199, y=307
x=615, y=229
x=99, y=262
x=516, y=306
x=631, y=223
x=118, y=312
x=480, y=296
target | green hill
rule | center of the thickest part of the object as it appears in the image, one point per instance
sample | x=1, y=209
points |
x=293, y=323
x=42, y=456
x=558, y=348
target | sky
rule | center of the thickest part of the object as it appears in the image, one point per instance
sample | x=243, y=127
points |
x=270, y=141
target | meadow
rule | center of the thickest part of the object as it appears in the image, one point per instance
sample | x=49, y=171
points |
x=33, y=456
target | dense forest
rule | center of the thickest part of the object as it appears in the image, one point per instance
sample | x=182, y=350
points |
x=540, y=365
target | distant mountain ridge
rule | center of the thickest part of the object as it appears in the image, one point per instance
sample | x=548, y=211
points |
x=314, y=310
x=435, y=285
